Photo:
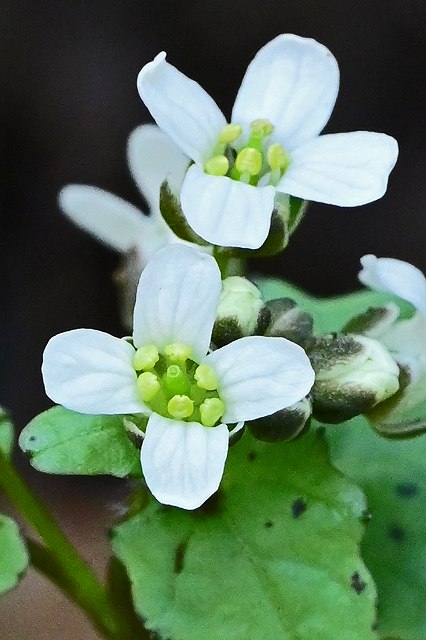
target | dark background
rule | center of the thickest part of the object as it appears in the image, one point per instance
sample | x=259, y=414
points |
x=68, y=102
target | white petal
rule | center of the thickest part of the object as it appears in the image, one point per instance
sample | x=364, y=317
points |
x=395, y=276
x=293, y=82
x=226, y=212
x=406, y=341
x=259, y=376
x=113, y=221
x=91, y=372
x=346, y=169
x=183, y=461
x=153, y=157
x=177, y=298
x=181, y=108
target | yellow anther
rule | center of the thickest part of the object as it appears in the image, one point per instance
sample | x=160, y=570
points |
x=180, y=407
x=211, y=411
x=206, y=377
x=278, y=158
x=249, y=161
x=178, y=351
x=148, y=385
x=263, y=126
x=217, y=166
x=230, y=133
x=146, y=357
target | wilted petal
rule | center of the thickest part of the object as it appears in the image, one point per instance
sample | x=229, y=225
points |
x=91, y=372
x=395, y=276
x=345, y=169
x=153, y=157
x=177, y=298
x=181, y=108
x=110, y=219
x=226, y=212
x=183, y=461
x=258, y=376
x=293, y=82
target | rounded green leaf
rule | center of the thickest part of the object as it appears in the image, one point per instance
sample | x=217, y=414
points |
x=13, y=554
x=62, y=441
x=273, y=555
x=393, y=477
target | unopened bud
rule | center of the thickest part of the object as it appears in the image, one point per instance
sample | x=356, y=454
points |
x=289, y=321
x=352, y=375
x=284, y=425
x=373, y=322
x=241, y=311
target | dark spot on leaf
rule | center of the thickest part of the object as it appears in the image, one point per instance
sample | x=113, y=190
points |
x=31, y=438
x=374, y=626
x=298, y=507
x=406, y=489
x=179, y=557
x=251, y=456
x=268, y=524
x=366, y=517
x=357, y=583
x=396, y=532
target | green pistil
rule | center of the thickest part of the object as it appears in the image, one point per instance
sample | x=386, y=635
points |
x=254, y=160
x=175, y=380
x=174, y=386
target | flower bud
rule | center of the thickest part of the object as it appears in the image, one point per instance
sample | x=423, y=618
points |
x=241, y=311
x=284, y=425
x=289, y=321
x=352, y=374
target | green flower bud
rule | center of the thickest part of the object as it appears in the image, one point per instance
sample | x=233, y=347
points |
x=373, y=322
x=241, y=311
x=353, y=374
x=284, y=425
x=289, y=321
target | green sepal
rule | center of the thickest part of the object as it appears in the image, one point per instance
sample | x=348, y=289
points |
x=65, y=442
x=289, y=321
x=175, y=218
x=6, y=433
x=267, y=557
x=297, y=212
x=393, y=476
x=13, y=554
x=284, y=425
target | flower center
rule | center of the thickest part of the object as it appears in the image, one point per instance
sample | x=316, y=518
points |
x=256, y=162
x=175, y=386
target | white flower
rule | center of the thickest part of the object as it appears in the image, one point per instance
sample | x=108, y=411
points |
x=167, y=373
x=272, y=143
x=405, y=339
x=152, y=158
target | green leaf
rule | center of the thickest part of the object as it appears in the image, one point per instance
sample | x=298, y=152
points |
x=273, y=555
x=62, y=441
x=330, y=314
x=6, y=433
x=13, y=554
x=393, y=477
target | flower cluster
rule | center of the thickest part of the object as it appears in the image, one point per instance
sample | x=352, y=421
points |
x=206, y=355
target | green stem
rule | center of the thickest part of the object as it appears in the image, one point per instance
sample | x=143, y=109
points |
x=59, y=560
x=229, y=264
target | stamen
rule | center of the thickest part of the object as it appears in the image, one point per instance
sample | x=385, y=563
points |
x=260, y=129
x=249, y=161
x=217, y=166
x=146, y=357
x=176, y=380
x=178, y=352
x=148, y=385
x=278, y=158
x=230, y=133
x=180, y=407
x=206, y=377
x=211, y=411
